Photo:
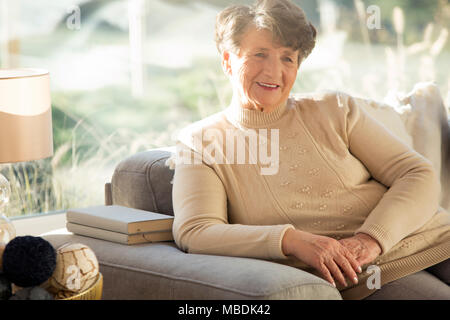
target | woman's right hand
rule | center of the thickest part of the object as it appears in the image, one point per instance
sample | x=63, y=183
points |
x=324, y=254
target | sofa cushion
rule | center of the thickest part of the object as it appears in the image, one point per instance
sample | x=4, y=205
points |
x=426, y=120
x=162, y=271
x=388, y=117
x=420, y=120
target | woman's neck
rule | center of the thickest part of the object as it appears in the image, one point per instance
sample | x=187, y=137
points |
x=235, y=101
x=251, y=117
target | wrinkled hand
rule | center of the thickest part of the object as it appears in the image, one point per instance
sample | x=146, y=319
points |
x=363, y=247
x=327, y=255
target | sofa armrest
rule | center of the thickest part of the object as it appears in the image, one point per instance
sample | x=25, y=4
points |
x=142, y=181
x=162, y=271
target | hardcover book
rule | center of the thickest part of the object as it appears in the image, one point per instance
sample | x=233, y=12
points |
x=120, y=219
x=154, y=236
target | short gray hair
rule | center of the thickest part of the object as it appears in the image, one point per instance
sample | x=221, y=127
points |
x=286, y=21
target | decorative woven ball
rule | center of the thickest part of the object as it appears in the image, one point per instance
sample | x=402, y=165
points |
x=28, y=261
x=64, y=294
x=76, y=268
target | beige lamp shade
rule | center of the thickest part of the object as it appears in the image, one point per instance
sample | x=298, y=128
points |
x=25, y=115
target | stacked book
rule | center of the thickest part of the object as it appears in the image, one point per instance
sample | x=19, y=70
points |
x=120, y=224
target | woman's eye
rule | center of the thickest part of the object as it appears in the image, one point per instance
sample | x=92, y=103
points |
x=288, y=59
x=260, y=55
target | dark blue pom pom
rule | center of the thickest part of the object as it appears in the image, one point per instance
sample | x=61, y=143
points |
x=28, y=261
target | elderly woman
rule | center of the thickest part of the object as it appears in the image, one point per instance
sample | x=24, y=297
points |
x=342, y=193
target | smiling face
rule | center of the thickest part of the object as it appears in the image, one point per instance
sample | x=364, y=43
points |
x=263, y=73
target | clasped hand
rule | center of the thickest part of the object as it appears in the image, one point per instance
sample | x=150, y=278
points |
x=332, y=258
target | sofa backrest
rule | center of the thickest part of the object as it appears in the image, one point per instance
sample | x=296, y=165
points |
x=142, y=181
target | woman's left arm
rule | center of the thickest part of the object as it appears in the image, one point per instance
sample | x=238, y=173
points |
x=414, y=187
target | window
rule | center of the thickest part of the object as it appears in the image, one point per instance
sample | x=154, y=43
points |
x=127, y=75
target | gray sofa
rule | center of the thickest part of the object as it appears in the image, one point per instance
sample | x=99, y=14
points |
x=162, y=271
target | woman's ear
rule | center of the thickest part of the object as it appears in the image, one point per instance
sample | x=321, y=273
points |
x=226, y=63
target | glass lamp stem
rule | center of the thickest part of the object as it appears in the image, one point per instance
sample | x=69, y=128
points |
x=5, y=191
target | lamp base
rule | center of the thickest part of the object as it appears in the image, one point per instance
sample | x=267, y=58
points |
x=7, y=230
x=5, y=191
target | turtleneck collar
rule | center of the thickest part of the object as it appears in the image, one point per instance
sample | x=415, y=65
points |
x=252, y=117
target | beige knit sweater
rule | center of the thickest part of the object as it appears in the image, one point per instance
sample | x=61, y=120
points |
x=340, y=172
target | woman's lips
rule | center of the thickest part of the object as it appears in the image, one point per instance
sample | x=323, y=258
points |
x=268, y=86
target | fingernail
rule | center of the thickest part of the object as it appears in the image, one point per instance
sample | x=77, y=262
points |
x=334, y=284
x=355, y=280
x=359, y=269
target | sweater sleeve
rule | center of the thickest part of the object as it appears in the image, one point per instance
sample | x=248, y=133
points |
x=413, y=191
x=201, y=224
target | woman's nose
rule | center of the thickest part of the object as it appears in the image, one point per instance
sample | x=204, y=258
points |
x=272, y=68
